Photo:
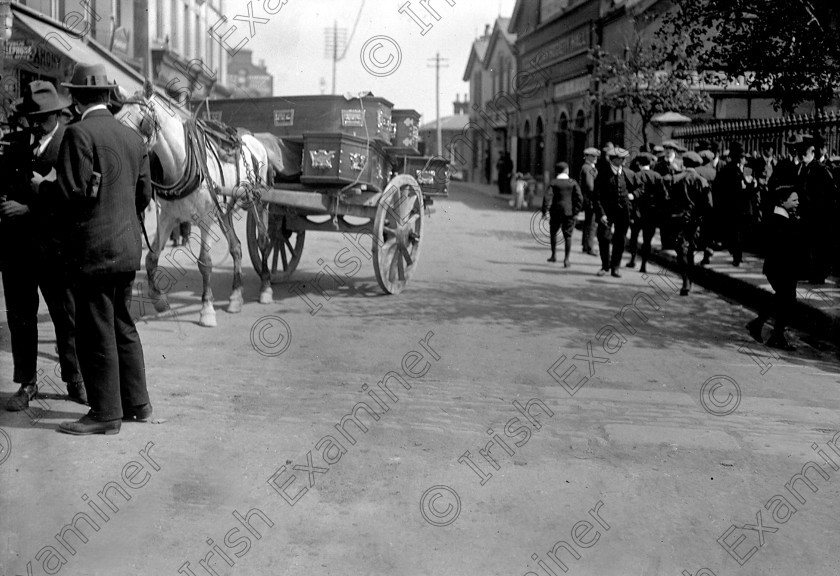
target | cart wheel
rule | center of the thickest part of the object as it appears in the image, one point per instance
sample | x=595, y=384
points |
x=397, y=231
x=283, y=246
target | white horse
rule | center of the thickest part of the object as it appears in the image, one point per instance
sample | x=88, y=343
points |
x=193, y=168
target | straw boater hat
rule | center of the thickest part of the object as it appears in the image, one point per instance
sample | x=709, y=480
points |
x=618, y=152
x=39, y=98
x=89, y=77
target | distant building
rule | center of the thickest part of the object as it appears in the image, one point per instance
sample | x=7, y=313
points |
x=490, y=71
x=247, y=78
x=457, y=146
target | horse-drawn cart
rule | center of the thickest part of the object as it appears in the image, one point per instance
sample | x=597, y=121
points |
x=338, y=158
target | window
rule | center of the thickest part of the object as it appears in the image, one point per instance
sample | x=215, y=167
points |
x=580, y=121
x=117, y=13
x=173, y=25
x=197, y=38
x=186, y=24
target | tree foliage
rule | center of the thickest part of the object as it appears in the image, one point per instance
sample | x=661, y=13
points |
x=651, y=77
x=789, y=48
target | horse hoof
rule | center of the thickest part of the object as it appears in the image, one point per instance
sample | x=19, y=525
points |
x=267, y=297
x=161, y=306
x=235, y=307
x=207, y=320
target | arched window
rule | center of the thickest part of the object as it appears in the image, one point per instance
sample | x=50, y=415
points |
x=561, y=148
x=523, y=161
x=539, y=149
x=580, y=121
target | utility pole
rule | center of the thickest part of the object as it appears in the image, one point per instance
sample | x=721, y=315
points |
x=335, y=47
x=438, y=64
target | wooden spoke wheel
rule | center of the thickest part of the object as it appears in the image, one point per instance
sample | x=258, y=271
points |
x=397, y=230
x=283, y=245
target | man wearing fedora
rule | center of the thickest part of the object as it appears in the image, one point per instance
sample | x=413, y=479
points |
x=43, y=108
x=105, y=183
x=613, y=204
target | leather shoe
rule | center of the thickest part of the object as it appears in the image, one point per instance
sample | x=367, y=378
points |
x=616, y=273
x=86, y=425
x=684, y=291
x=631, y=264
x=20, y=401
x=754, y=328
x=780, y=342
x=141, y=413
x=76, y=393
x=602, y=272
x=552, y=259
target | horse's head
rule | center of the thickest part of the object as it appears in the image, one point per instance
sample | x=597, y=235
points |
x=140, y=114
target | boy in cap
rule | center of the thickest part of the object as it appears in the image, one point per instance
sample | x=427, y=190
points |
x=588, y=175
x=613, y=204
x=690, y=200
x=780, y=268
x=563, y=201
x=650, y=202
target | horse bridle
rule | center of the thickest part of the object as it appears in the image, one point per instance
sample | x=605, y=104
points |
x=148, y=113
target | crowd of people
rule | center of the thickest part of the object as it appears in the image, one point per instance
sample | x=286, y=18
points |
x=702, y=201
x=76, y=182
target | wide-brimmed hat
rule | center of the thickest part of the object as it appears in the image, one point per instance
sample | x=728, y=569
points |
x=618, y=152
x=40, y=97
x=89, y=77
x=707, y=155
x=799, y=139
x=591, y=152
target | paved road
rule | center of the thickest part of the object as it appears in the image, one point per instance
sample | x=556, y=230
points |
x=649, y=434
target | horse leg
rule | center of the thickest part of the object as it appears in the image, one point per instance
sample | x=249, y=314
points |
x=165, y=224
x=264, y=242
x=236, y=299
x=207, y=316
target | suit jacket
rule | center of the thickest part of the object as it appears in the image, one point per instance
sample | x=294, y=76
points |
x=690, y=195
x=781, y=262
x=588, y=175
x=49, y=215
x=652, y=195
x=104, y=235
x=563, y=198
x=611, y=198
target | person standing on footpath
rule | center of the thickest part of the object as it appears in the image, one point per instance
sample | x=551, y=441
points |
x=105, y=183
x=780, y=268
x=738, y=191
x=43, y=108
x=668, y=166
x=562, y=202
x=817, y=195
x=588, y=175
x=690, y=199
x=505, y=170
x=651, y=199
x=613, y=204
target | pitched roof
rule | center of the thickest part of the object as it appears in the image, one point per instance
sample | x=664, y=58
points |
x=477, y=52
x=456, y=122
x=500, y=30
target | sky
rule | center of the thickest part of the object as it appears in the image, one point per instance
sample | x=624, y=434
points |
x=292, y=43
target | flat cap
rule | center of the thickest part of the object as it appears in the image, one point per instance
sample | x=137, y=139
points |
x=673, y=146
x=658, y=149
x=707, y=155
x=646, y=159
x=618, y=152
x=799, y=139
x=591, y=152
x=692, y=160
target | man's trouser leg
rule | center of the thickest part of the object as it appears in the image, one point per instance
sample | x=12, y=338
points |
x=58, y=294
x=20, y=286
x=604, y=241
x=618, y=241
x=554, y=228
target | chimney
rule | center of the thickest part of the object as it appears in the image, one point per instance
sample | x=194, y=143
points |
x=487, y=30
x=460, y=107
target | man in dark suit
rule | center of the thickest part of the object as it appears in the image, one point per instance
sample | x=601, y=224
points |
x=41, y=264
x=738, y=192
x=588, y=175
x=105, y=182
x=651, y=199
x=614, y=195
x=780, y=268
x=690, y=199
x=562, y=201
x=817, y=191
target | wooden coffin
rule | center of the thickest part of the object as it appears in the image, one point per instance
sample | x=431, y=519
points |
x=431, y=172
x=341, y=159
x=290, y=117
x=407, y=135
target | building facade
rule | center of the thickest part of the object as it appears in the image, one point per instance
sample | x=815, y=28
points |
x=181, y=45
x=455, y=138
x=490, y=72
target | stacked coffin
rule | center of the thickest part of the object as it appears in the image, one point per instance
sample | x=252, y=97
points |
x=334, y=140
